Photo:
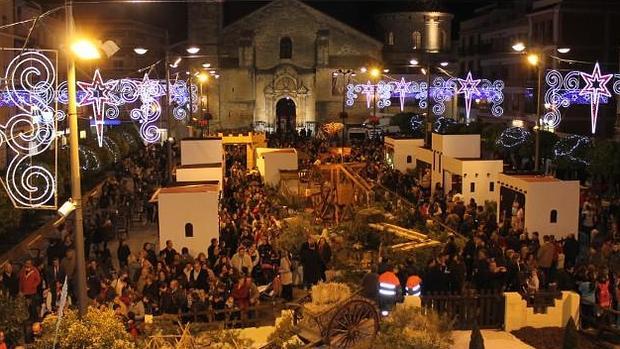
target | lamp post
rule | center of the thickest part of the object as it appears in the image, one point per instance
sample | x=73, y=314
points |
x=346, y=74
x=537, y=58
x=76, y=188
x=203, y=78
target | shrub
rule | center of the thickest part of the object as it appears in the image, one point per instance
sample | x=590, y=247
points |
x=571, y=337
x=410, y=328
x=284, y=334
x=98, y=329
x=476, y=341
x=11, y=216
x=13, y=313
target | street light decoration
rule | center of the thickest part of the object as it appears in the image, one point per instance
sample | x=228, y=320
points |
x=98, y=94
x=30, y=85
x=469, y=88
x=150, y=110
x=566, y=89
x=596, y=86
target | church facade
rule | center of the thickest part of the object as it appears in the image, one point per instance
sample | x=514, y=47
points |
x=281, y=66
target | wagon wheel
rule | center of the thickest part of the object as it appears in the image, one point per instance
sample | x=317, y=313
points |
x=354, y=323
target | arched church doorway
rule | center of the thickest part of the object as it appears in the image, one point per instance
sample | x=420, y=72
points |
x=286, y=115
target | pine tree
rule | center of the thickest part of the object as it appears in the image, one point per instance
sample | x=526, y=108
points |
x=571, y=337
x=476, y=341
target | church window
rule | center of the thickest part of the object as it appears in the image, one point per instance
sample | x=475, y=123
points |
x=416, y=39
x=390, y=38
x=286, y=48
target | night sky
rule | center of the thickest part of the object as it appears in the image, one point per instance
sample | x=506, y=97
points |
x=172, y=15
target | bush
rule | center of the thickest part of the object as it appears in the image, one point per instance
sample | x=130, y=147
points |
x=284, y=334
x=476, y=341
x=409, y=328
x=571, y=337
x=98, y=329
x=11, y=216
x=13, y=313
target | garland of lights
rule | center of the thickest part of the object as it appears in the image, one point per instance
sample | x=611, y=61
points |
x=31, y=80
x=570, y=146
x=442, y=91
x=513, y=137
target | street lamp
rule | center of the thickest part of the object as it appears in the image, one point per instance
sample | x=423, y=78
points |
x=193, y=50
x=346, y=74
x=140, y=51
x=536, y=58
x=83, y=49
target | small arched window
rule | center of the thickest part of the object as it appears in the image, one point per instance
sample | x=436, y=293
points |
x=189, y=230
x=409, y=159
x=286, y=48
x=390, y=38
x=416, y=40
x=553, y=216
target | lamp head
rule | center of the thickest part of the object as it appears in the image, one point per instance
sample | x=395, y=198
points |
x=85, y=49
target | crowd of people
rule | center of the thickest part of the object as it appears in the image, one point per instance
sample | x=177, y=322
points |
x=241, y=268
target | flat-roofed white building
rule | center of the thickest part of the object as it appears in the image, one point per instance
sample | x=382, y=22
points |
x=454, y=164
x=269, y=162
x=549, y=206
x=189, y=216
x=202, y=161
x=399, y=152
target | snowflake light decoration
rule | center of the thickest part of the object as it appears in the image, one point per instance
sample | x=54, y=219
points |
x=596, y=86
x=98, y=94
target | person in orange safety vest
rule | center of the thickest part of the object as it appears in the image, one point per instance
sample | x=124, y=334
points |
x=414, y=285
x=389, y=291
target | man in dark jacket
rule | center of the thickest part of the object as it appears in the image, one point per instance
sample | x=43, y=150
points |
x=311, y=262
x=571, y=250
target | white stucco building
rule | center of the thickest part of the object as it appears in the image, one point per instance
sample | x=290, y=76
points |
x=202, y=161
x=454, y=163
x=399, y=152
x=189, y=216
x=269, y=162
x=550, y=205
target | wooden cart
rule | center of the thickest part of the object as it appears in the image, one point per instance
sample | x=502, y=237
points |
x=353, y=322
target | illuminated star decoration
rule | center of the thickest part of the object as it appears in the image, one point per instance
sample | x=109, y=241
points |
x=98, y=94
x=596, y=87
x=402, y=87
x=469, y=87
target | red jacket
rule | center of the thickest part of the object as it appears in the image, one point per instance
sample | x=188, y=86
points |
x=29, y=281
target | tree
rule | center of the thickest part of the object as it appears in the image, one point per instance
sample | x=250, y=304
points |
x=410, y=124
x=11, y=217
x=571, y=337
x=604, y=162
x=476, y=341
x=99, y=329
x=13, y=313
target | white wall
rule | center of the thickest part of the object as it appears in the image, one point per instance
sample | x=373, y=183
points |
x=541, y=197
x=270, y=161
x=457, y=146
x=199, y=209
x=199, y=174
x=403, y=148
x=481, y=173
x=201, y=151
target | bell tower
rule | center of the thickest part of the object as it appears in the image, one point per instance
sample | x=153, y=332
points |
x=204, y=25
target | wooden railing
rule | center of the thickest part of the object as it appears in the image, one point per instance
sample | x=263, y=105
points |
x=486, y=309
x=226, y=318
